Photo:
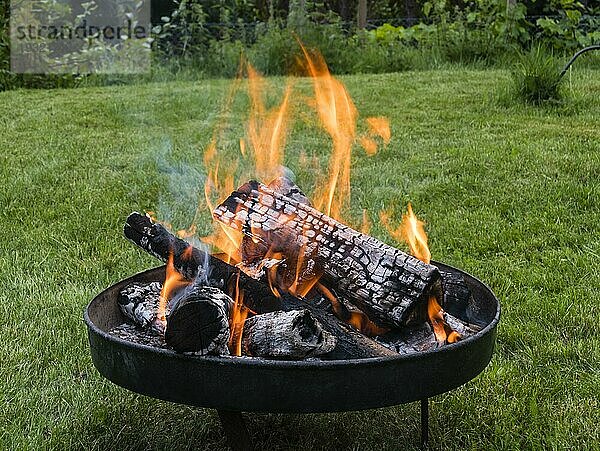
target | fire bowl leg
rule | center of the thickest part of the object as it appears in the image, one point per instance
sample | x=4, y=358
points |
x=424, y=422
x=235, y=429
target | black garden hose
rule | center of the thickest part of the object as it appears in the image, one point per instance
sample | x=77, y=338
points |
x=572, y=60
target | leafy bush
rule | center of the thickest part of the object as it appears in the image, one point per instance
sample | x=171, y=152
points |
x=536, y=76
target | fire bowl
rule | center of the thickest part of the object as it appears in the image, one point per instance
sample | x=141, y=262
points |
x=259, y=385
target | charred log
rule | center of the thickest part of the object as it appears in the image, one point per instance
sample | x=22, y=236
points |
x=457, y=294
x=139, y=303
x=199, y=321
x=463, y=328
x=286, y=335
x=194, y=263
x=350, y=343
x=385, y=283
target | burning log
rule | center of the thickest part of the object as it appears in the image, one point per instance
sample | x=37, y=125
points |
x=193, y=263
x=199, y=321
x=459, y=326
x=457, y=295
x=159, y=242
x=350, y=343
x=292, y=335
x=387, y=284
x=139, y=303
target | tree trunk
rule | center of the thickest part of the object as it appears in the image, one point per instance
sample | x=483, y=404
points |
x=362, y=14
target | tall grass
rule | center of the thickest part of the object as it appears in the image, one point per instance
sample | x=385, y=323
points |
x=536, y=76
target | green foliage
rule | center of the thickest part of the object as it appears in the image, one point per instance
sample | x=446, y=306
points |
x=575, y=27
x=536, y=77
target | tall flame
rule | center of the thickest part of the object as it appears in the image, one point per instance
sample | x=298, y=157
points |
x=338, y=116
x=266, y=129
x=412, y=232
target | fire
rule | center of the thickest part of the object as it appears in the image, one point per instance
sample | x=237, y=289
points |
x=412, y=232
x=266, y=129
x=338, y=116
x=436, y=317
x=238, y=316
x=262, y=148
x=357, y=319
x=174, y=281
x=380, y=126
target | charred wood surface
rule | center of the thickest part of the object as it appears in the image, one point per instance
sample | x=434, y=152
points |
x=139, y=303
x=286, y=335
x=385, y=283
x=158, y=241
x=199, y=321
x=194, y=263
x=457, y=294
x=350, y=343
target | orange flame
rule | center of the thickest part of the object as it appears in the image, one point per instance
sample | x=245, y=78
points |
x=380, y=126
x=174, y=281
x=369, y=145
x=412, y=232
x=357, y=319
x=266, y=129
x=338, y=116
x=238, y=316
x=435, y=313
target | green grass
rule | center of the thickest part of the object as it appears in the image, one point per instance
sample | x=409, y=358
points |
x=509, y=192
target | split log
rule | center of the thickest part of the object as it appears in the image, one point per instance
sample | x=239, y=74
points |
x=199, y=321
x=286, y=335
x=139, y=303
x=457, y=294
x=387, y=284
x=194, y=263
x=409, y=340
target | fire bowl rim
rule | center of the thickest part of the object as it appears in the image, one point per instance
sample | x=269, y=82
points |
x=296, y=364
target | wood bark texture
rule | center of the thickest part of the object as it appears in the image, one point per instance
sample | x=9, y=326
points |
x=286, y=335
x=195, y=263
x=198, y=322
x=385, y=283
x=139, y=303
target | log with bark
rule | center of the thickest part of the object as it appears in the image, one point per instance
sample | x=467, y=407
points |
x=286, y=335
x=194, y=263
x=390, y=286
x=198, y=321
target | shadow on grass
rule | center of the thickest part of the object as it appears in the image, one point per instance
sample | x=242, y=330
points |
x=139, y=423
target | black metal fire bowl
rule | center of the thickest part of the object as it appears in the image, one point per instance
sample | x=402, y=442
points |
x=258, y=385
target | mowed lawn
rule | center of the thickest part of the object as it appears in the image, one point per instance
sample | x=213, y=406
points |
x=509, y=193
